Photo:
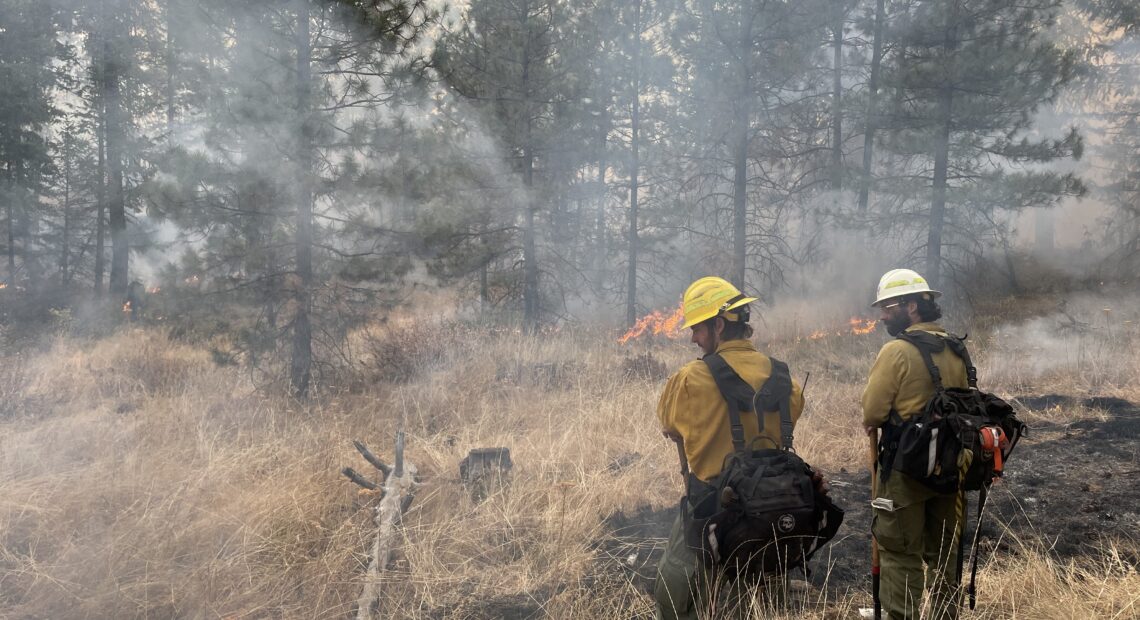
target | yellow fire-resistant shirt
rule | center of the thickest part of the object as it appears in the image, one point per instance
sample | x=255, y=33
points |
x=899, y=378
x=691, y=406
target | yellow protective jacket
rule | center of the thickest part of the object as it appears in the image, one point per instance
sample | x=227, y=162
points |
x=692, y=407
x=899, y=379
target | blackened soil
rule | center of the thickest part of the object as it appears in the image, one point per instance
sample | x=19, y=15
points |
x=1069, y=488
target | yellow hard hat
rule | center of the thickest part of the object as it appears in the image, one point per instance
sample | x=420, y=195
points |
x=711, y=296
x=900, y=282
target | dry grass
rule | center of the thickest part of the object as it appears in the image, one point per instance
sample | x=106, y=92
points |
x=138, y=479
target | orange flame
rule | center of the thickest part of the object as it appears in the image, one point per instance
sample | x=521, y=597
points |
x=856, y=326
x=127, y=307
x=3, y=286
x=658, y=324
x=154, y=289
x=860, y=326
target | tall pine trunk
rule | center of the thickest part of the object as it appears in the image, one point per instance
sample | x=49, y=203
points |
x=171, y=67
x=530, y=267
x=64, y=258
x=634, y=181
x=530, y=251
x=10, y=221
x=837, y=98
x=941, y=156
x=115, y=137
x=600, y=271
x=100, y=195
x=300, y=374
x=871, y=124
x=739, y=191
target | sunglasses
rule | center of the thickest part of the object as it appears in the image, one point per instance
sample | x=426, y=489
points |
x=890, y=305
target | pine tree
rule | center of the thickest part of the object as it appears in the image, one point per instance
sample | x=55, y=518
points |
x=752, y=69
x=513, y=60
x=972, y=75
x=28, y=48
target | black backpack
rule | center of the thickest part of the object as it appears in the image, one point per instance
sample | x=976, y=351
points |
x=762, y=513
x=956, y=422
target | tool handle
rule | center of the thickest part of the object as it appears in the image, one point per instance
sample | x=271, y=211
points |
x=873, y=451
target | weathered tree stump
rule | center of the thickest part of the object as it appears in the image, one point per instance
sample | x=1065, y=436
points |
x=485, y=470
x=398, y=490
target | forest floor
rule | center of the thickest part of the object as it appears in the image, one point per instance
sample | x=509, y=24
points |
x=145, y=473
x=1071, y=489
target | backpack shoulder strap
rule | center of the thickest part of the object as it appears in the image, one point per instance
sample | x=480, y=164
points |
x=736, y=392
x=776, y=393
x=958, y=346
x=927, y=345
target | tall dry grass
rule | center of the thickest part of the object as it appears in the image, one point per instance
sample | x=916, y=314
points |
x=139, y=479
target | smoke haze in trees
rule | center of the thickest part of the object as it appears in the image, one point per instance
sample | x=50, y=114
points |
x=584, y=158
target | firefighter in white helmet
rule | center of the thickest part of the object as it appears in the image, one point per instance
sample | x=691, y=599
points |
x=917, y=530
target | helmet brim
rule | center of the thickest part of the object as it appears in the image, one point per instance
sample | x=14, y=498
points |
x=701, y=319
x=933, y=295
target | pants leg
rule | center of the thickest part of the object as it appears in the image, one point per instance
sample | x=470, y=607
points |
x=899, y=534
x=677, y=578
x=945, y=521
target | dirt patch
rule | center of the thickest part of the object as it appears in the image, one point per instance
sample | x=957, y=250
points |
x=1073, y=486
x=1070, y=488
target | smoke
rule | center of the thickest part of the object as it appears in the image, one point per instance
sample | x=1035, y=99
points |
x=1086, y=342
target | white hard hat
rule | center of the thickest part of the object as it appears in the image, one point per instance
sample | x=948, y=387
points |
x=899, y=282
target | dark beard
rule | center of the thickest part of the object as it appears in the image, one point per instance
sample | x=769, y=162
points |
x=896, y=324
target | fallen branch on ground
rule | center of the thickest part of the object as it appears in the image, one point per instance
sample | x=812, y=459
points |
x=397, y=490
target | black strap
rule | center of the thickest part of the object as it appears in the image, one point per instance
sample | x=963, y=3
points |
x=961, y=527
x=958, y=346
x=774, y=394
x=928, y=343
x=973, y=593
x=736, y=392
x=725, y=305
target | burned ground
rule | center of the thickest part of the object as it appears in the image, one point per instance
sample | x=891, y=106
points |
x=1069, y=488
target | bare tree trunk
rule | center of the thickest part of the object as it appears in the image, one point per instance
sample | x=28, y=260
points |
x=115, y=136
x=64, y=262
x=171, y=67
x=100, y=199
x=1043, y=230
x=530, y=252
x=600, y=220
x=739, y=194
x=11, y=223
x=872, y=105
x=938, y=204
x=302, y=360
x=941, y=162
x=530, y=267
x=484, y=290
x=837, y=98
x=635, y=165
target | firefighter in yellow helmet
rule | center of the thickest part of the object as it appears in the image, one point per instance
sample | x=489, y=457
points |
x=694, y=414
x=918, y=531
